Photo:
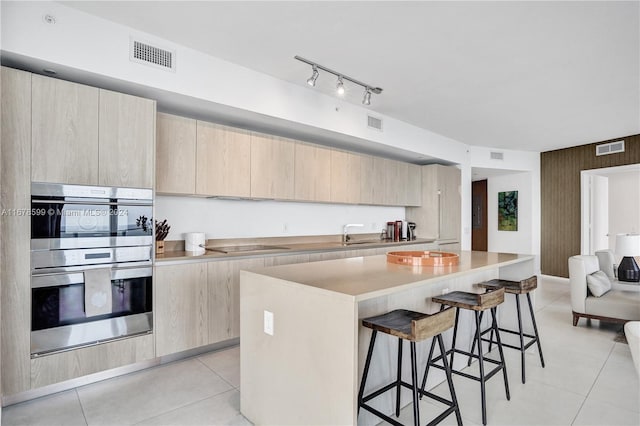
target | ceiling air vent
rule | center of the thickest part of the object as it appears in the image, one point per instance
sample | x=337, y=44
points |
x=610, y=148
x=147, y=54
x=497, y=155
x=374, y=122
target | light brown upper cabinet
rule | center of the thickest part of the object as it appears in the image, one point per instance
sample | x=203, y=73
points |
x=312, y=177
x=90, y=136
x=439, y=215
x=175, y=154
x=272, y=167
x=223, y=161
x=413, y=185
x=64, y=123
x=373, y=174
x=126, y=140
x=345, y=177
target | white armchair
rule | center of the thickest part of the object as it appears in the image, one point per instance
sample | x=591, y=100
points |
x=620, y=304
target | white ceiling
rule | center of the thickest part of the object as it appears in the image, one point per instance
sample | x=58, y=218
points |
x=531, y=76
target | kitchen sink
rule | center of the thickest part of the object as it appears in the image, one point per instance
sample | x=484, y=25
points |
x=238, y=249
x=352, y=243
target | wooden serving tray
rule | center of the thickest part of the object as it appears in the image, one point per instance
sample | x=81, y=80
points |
x=423, y=258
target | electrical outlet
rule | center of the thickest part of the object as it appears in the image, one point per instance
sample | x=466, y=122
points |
x=268, y=323
x=285, y=227
x=445, y=291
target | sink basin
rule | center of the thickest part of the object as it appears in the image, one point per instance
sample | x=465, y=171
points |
x=351, y=243
x=237, y=249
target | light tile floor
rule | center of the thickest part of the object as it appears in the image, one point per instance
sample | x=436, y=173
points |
x=589, y=380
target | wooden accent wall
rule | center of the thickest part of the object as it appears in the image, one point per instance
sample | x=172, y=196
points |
x=560, y=197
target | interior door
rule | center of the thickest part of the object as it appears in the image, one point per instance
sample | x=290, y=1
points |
x=479, y=232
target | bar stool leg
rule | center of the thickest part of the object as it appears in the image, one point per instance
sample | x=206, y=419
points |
x=499, y=343
x=399, y=381
x=447, y=370
x=426, y=370
x=522, y=350
x=367, y=363
x=535, y=329
x=414, y=383
x=473, y=344
x=481, y=365
x=455, y=334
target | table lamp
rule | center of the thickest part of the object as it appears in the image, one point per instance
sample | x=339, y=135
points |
x=628, y=245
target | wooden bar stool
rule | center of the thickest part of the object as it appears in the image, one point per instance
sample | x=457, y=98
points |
x=414, y=327
x=478, y=303
x=517, y=288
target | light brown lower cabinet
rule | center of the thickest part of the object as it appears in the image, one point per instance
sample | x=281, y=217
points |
x=224, y=297
x=182, y=310
x=56, y=368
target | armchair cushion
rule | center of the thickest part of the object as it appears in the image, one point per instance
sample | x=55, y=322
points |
x=598, y=283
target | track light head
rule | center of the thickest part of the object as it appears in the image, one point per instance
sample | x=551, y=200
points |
x=340, y=86
x=311, y=81
x=367, y=96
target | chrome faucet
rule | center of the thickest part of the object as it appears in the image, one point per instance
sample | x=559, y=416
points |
x=345, y=235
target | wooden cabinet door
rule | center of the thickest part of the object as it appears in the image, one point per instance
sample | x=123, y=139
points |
x=450, y=203
x=312, y=177
x=345, y=177
x=224, y=297
x=413, y=185
x=64, y=140
x=15, y=288
x=126, y=140
x=223, y=161
x=373, y=173
x=175, y=154
x=393, y=183
x=182, y=309
x=272, y=167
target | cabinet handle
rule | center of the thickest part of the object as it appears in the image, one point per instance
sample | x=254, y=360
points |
x=439, y=214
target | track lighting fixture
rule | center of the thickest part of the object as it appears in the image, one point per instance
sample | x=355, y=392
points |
x=311, y=81
x=340, y=89
x=367, y=96
x=340, y=86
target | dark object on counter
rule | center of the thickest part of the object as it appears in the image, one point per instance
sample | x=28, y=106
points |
x=411, y=231
x=391, y=231
x=397, y=231
x=162, y=230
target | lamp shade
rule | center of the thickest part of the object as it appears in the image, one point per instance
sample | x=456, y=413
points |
x=628, y=244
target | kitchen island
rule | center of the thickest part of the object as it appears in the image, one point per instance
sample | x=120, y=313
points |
x=302, y=345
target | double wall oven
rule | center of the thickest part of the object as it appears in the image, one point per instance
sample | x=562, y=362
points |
x=91, y=265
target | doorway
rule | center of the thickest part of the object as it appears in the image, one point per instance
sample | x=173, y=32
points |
x=479, y=230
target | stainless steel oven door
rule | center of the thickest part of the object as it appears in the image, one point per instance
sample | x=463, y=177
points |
x=58, y=319
x=74, y=260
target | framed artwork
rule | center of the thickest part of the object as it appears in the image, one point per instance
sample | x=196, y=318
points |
x=508, y=211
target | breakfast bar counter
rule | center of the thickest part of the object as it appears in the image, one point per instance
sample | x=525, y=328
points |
x=302, y=345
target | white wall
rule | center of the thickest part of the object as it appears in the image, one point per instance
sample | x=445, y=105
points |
x=599, y=214
x=510, y=241
x=526, y=180
x=247, y=218
x=624, y=204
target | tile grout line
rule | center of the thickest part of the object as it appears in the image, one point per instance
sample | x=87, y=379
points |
x=81, y=407
x=217, y=374
x=183, y=406
x=593, y=385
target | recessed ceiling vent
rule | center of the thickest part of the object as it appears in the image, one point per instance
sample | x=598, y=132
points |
x=144, y=53
x=610, y=148
x=374, y=122
x=497, y=155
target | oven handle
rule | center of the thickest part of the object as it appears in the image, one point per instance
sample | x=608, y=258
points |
x=92, y=202
x=68, y=278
